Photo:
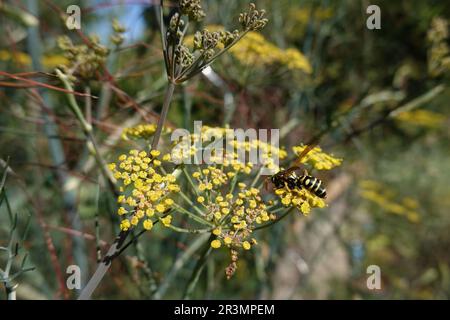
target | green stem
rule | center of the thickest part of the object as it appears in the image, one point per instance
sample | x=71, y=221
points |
x=55, y=144
x=103, y=267
x=255, y=180
x=198, y=269
x=162, y=118
x=179, y=263
x=87, y=129
x=189, y=179
x=192, y=216
x=97, y=226
x=187, y=104
x=285, y=214
x=194, y=69
x=234, y=182
x=163, y=36
x=10, y=291
x=186, y=198
x=193, y=231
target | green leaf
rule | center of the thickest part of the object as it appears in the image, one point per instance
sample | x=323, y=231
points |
x=18, y=15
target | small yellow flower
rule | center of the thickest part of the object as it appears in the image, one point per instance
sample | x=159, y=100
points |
x=201, y=199
x=223, y=203
x=125, y=225
x=142, y=154
x=246, y=245
x=286, y=201
x=173, y=188
x=155, y=153
x=134, y=220
x=305, y=208
x=166, y=221
x=148, y=224
x=122, y=211
x=168, y=201
x=231, y=174
x=150, y=212
x=216, y=231
x=227, y=240
x=215, y=244
x=140, y=214
x=160, y=208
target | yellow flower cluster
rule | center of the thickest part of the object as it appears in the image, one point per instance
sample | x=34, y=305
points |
x=234, y=215
x=144, y=192
x=83, y=60
x=302, y=199
x=300, y=18
x=233, y=159
x=48, y=61
x=439, y=52
x=386, y=199
x=295, y=60
x=317, y=158
x=211, y=178
x=255, y=49
x=423, y=118
x=141, y=131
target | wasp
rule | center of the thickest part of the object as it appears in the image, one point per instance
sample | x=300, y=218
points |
x=289, y=178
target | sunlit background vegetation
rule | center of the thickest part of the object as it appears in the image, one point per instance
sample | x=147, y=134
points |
x=379, y=99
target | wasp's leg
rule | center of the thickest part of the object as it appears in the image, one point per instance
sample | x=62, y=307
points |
x=286, y=185
x=266, y=184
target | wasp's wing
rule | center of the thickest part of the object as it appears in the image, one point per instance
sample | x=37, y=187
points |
x=298, y=162
x=305, y=151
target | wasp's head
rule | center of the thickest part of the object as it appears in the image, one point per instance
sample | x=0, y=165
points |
x=277, y=180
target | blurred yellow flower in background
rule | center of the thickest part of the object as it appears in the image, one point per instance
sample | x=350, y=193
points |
x=388, y=200
x=254, y=49
x=48, y=61
x=422, y=118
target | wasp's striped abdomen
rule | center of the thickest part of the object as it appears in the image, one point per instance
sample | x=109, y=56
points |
x=313, y=185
